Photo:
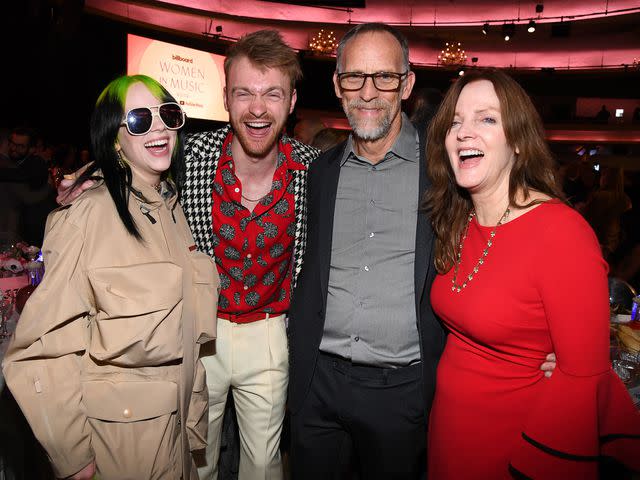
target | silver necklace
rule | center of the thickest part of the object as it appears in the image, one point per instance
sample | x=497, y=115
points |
x=252, y=200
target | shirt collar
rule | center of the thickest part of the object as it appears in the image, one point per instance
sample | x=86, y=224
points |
x=404, y=146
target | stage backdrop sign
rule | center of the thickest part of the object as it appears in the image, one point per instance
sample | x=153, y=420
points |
x=194, y=77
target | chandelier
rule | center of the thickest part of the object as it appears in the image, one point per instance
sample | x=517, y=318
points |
x=323, y=42
x=453, y=54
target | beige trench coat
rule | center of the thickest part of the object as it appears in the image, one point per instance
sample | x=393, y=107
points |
x=104, y=362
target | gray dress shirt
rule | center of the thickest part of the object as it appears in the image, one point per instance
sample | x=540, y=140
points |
x=370, y=315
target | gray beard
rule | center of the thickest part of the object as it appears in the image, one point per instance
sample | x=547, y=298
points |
x=370, y=134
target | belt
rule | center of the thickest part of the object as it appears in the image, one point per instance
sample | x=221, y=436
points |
x=345, y=365
x=246, y=317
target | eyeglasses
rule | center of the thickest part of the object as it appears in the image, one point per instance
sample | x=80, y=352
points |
x=383, y=81
x=139, y=120
x=18, y=146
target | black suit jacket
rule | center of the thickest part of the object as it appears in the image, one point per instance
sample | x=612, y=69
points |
x=307, y=312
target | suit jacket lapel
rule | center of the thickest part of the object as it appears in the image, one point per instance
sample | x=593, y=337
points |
x=329, y=190
x=212, y=154
x=423, y=230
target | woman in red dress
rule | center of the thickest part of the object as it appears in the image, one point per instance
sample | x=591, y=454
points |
x=521, y=274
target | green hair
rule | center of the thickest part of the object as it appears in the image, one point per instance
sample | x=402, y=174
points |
x=117, y=90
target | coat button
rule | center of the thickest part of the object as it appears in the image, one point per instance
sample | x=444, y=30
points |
x=126, y=413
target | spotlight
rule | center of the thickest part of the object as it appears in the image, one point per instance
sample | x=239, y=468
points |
x=474, y=60
x=485, y=28
x=539, y=8
x=531, y=27
x=508, y=30
x=461, y=72
x=218, y=28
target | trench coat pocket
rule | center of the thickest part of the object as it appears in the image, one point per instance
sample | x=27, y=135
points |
x=139, y=314
x=206, y=282
x=126, y=402
x=197, y=418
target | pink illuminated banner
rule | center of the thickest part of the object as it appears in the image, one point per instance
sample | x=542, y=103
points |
x=194, y=77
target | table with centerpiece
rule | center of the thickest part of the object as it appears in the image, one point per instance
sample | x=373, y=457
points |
x=21, y=269
x=625, y=355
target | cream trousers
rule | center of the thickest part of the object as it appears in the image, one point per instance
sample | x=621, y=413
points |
x=252, y=360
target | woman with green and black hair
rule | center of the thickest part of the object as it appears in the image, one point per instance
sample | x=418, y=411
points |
x=104, y=362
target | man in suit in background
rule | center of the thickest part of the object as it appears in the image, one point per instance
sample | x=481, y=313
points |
x=27, y=197
x=364, y=342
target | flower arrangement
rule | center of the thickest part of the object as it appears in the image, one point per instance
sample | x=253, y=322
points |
x=18, y=257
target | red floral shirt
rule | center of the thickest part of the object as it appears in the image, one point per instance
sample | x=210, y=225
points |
x=253, y=249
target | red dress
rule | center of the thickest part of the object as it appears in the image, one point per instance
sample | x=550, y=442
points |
x=542, y=288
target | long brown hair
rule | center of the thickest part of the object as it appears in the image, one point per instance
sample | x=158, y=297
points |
x=447, y=204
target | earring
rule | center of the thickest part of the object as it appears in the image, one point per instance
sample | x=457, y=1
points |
x=121, y=162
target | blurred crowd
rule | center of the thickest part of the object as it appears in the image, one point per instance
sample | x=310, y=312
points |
x=607, y=197
x=31, y=167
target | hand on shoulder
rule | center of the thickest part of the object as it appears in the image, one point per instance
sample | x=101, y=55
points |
x=66, y=193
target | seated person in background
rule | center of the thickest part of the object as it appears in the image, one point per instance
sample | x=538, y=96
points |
x=24, y=165
x=573, y=187
x=422, y=105
x=603, y=115
x=25, y=182
x=307, y=128
x=104, y=362
x=328, y=138
x=521, y=274
x=625, y=263
x=605, y=208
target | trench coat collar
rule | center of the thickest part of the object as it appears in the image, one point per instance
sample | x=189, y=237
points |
x=147, y=194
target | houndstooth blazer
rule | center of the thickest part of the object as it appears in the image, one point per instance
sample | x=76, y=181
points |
x=202, y=152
